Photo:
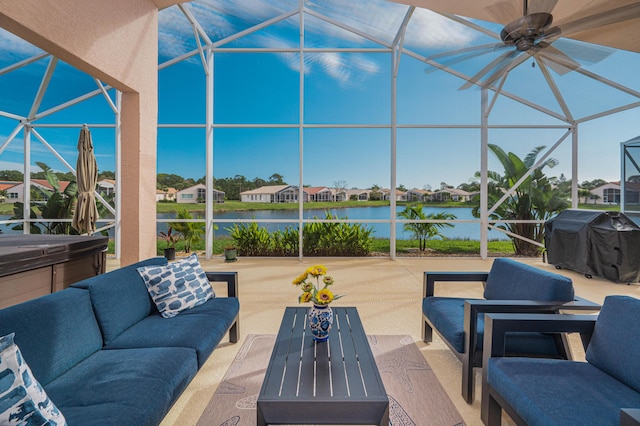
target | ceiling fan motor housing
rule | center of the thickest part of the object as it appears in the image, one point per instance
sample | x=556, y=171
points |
x=524, y=31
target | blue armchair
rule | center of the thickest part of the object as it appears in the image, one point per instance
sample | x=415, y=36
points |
x=510, y=286
x=605, y=390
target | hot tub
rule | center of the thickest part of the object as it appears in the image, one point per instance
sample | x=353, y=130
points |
x=34, y=265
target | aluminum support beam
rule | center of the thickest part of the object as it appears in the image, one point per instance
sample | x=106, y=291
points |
x=209, y=234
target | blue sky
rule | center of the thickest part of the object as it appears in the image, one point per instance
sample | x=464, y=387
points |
x=340, y=88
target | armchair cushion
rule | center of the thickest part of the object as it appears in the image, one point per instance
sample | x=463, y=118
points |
x=615, y=344
x=511, y=280
x=446, y=315
x=589, y=395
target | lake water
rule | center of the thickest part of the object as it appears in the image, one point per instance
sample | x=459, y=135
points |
x=462, y=230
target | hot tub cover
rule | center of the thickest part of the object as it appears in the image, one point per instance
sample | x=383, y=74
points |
x=593, y=242
x=20, y=253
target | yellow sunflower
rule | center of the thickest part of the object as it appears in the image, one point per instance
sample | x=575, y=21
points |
x=300, y=279
x=317, y=270
x=324, y=296
x=304, y=297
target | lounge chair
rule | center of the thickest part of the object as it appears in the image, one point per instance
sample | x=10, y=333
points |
x=605, y=390
x=510, y=286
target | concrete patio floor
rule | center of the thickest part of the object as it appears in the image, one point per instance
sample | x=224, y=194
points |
x=388, y=295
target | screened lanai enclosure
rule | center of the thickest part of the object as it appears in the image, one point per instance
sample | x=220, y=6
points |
x=457, y=108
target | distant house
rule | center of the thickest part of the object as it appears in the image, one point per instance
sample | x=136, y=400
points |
x=197, y=194
x=106, y=187
x=609, y=193
x=271, y=194
x=452, y=194
x=168, y=194
x=318, y=193
x=11, y=195
x=400, y=195
x=358, y=194
x=339, y=195
x=418, y=195
x=15, y=193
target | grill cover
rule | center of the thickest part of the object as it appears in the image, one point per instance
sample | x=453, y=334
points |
x=593, y=242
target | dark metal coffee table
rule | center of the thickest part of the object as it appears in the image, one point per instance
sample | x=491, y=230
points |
x=333, y=382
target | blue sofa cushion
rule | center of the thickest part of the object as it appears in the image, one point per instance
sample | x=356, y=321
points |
x=200, y=328
x=589, y=395
x=62, y=322
x=511, y=280
x=22, y=399
x=615, y=345
x=177, y=286
x=446, y=314
x=120, y=298
x=124, y=387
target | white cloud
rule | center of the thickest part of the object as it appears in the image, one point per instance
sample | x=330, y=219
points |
x=14, y=48
x=433, y=31
x=381, y=20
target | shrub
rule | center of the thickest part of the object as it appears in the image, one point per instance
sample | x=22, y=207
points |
x=319, y=239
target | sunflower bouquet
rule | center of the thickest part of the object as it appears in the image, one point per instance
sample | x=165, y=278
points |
x=315, y=292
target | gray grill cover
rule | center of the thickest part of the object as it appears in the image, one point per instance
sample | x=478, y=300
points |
x=597, y=243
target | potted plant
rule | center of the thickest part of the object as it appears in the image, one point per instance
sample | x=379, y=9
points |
x=171, y=239
x=230, y=254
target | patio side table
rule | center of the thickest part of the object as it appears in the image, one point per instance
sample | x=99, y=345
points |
x=332, y=382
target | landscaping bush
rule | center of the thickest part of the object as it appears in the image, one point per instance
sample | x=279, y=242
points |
x=319, y=239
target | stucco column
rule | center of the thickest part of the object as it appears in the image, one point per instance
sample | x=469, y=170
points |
x=117, y=42
x=138, y=175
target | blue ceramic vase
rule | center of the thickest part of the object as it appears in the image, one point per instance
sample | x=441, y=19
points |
x=320, y=321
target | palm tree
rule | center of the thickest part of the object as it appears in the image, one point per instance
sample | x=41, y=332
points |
x=537, y=198
x=422, y=231
x=53, y=204
x=192, y=232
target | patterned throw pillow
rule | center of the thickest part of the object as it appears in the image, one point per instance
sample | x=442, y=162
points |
x=177, y=286
x=23, y=401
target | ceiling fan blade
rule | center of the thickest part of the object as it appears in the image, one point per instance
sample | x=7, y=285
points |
x=585, y=53
x=498, y=63
x=502, y=68
x=557, y=60
x=599, y=16
x=541, y=6
x=505, y=11
x=461, y=55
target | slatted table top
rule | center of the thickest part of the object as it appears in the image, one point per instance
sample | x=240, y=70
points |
x=332, y=382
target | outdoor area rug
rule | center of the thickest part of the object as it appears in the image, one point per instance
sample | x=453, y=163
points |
x=415, y=395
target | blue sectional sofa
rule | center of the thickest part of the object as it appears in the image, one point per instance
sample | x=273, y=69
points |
x=104, y=354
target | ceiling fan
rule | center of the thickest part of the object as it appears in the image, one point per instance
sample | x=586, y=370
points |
x=531, y=33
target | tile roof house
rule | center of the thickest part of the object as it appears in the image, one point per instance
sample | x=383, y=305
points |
x=318, y=193
x=271, y=194
x=400, y=195
x=196, y=194
x=168, y=194
x=452, y=194
x=15, y=192
x=418, y=195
